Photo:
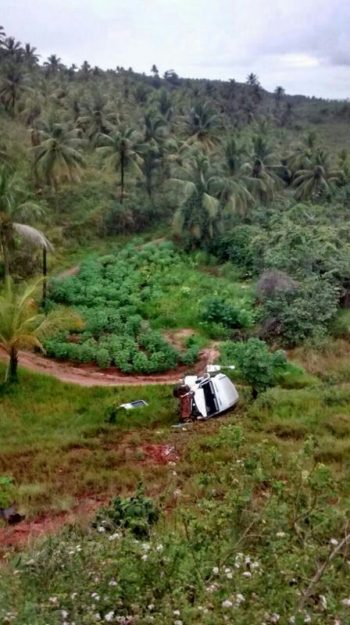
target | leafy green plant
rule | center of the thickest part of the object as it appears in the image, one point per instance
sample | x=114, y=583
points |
x=136, y=513
x=256, y=365
x=7, y=491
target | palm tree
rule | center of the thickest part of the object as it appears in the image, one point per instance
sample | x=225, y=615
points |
x=52, y=65
x=154, y=127
x=11, y=88
x=85, y=70
x=278, y=95
x=96, y=118
x=202, y=124
x=23, y=326
x=233, y=181
x=302, y=156
x=12, y=207
x=165, y=105
x=316, y=180
x=197, y=217
x=121, y=151
x=29, y=55
x=12, y=49
x=57, y=158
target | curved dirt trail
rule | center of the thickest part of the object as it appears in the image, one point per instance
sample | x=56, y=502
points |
x=89, y=375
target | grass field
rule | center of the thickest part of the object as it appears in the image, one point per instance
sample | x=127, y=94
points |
x=248, y=509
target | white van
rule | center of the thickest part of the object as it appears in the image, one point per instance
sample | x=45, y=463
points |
x=209, y=395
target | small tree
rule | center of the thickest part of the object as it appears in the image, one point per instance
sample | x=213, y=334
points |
x=256, y=364
x=23, y=326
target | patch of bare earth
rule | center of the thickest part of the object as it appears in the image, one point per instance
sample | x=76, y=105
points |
x=89, y=375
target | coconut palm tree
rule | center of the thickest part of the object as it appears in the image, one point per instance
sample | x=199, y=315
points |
x=52, y=65
x=197, y=216
x=233, y=180
x=121, y=150
x=12, y=49
x=165, y=104
x=29, y=55
x=96, y=118
x=154, y=128
x=23, y=326
x=201, y=125
x=58, y=158
x=13, y=207
x=316, y=180
x=11, y=88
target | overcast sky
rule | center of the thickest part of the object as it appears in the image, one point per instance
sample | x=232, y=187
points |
x=303, y=45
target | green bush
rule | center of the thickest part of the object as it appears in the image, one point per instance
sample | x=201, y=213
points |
x=219, y=310
x=302, y=313
x=137, y=514
x=255, y=364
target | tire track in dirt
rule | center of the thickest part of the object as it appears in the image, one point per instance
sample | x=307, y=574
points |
x=89, y=375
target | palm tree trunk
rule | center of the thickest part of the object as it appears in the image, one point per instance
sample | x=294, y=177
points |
x=122, y=167
x=44, y=276
x=6, y=257
x=11, y=373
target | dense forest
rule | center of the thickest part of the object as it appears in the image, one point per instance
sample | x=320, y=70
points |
x=233, y=170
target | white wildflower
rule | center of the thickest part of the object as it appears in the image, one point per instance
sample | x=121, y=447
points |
x=280, y=534
x=112, y=583
x=146, y=546
x=247, y=574
x=144, y=557
x=114, y=536
x=151, y=607
x=345, y=602
x=101, y=529
x=176, y=612
x=229, y=575
x=274, y=618
x=178, y=623
x=160, y=548
x=109, y=616
x=73, y=595
x=95, y=596
x=307, y=618
x=291, y=621
x=239, y=598
x=227, y=604
x=53, y=600
x=64, y=614
x=215, y=570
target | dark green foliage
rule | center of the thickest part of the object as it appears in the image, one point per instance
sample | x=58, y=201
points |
x=238, y=247
x=137, y=514
x=220, y=311
x=111, y=294
x=303, y=312
x=255, y=364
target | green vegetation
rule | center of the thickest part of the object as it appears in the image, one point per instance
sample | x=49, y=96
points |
x=240, y=201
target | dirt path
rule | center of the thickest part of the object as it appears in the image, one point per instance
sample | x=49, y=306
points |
x=89, y=375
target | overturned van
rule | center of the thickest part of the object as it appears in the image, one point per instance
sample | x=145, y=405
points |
x=203, y=397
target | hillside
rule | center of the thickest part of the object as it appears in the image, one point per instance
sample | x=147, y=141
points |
x=151, y=225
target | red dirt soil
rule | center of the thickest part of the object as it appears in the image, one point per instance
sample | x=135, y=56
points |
x=24, y=533
x=89, y=375
x=160, y=454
